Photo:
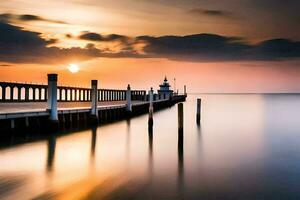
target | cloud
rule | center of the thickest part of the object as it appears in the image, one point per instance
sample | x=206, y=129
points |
x=8, y=17
x=212, y=48
x=91, y=36
x=68, y=35
x=278, y=49
x=38, y=18
x=22, y=46
x=102, y=38
x=212, y=13
x=5, y=17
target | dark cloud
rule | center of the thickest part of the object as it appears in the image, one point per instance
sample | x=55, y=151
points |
x=214, y=13
x=13, y=36
x=91, y=36
x=22, y=46
x=102, y=38
x=5, y=17
x=68, y=35
x=8, y=17
x=209, y=48
x=278, y=48
x=30, y=18
x=38, y=18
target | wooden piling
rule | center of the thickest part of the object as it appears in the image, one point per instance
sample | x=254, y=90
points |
x=198, y=116
x=150, y=119
x=180, y=137
x=180, y=118
x=128, y=100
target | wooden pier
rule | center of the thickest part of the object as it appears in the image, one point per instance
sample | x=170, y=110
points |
x=34, y=106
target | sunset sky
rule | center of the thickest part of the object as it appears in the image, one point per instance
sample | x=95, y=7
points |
x=209, y=45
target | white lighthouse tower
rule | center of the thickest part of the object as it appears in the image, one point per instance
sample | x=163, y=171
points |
x=164, y=91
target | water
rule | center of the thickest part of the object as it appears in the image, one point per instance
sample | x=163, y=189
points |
x=247, y=147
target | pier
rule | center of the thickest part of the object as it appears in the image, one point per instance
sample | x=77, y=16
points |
x=32, y=106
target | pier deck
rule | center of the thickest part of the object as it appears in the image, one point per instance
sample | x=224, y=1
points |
x=15, y=116
x=18, y=110
x=33, y=106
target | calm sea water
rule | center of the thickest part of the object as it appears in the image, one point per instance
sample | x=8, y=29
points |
x=247, y=147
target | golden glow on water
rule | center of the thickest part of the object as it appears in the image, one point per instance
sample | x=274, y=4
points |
x=229, y=148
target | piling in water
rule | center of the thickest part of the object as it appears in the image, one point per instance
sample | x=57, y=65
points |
x=150, y=133
x=150, y=120
x=180, y=148
x=180, y=131
x=128, y=101
x=198, y=116
x=180, y=118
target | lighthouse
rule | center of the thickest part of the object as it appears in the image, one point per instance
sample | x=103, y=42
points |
x=164, y=91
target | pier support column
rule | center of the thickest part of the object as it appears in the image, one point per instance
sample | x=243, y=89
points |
x=71, y=120
x=26, y=122
x=128, y=100
x=94, y=99
x=150, y=120
x=52, y=100
x=12, y=124
x=78, y=118
x=198, y=117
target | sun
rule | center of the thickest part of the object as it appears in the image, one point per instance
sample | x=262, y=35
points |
x=73, y=68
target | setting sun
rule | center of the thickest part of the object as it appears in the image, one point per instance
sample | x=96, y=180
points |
x=73, y=68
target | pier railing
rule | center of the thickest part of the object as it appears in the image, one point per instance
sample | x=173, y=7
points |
x=24, y=92
x=52, y=94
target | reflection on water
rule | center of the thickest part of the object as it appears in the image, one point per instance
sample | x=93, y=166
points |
x=246, y=147
x=150, y=133
x=51, y=152
x=180, y=164
x=94, y=138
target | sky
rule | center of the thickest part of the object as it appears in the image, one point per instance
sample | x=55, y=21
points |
x=208, y=45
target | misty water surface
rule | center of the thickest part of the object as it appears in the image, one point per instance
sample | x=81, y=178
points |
x=247, y=147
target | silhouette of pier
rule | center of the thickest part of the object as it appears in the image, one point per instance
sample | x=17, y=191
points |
x=31, y=105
